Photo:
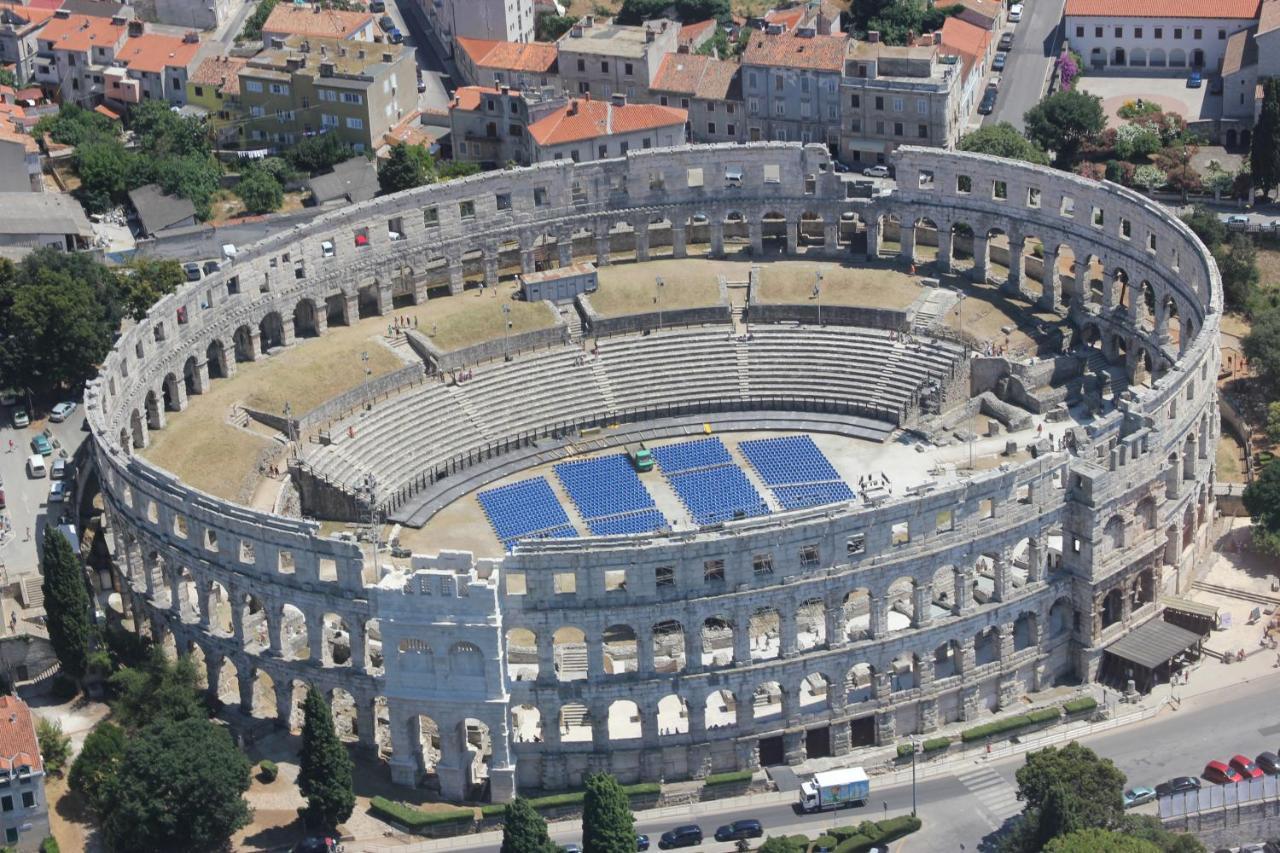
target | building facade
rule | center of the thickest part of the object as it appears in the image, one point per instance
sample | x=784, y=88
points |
x=24, y=808
x=606, y=59
x=710, y=89
x=791, y=85
x=18, y=43
x=152, y=67
x=1156, y=34
x=526, y=66
x=492, y=20
x=214, y=86
x=491, y=126
x=75, y=53
x=585, y=129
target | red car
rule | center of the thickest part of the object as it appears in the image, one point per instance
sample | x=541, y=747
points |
x=1220, y=774
x=1245, y=767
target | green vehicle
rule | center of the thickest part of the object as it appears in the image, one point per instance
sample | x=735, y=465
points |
x=41, y=445
x=641, y=458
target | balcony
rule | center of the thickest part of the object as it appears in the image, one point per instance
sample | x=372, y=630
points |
x=118, y=86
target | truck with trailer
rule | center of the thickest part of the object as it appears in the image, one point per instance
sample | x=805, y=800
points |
x=833, y=789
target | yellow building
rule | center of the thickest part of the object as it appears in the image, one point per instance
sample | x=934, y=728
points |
x=215, y=87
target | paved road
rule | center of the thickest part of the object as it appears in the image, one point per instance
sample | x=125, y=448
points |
x=1035, y=46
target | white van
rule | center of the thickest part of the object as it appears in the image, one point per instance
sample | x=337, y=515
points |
x=36, y=467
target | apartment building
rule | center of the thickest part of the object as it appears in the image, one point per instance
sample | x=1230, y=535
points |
x=24, y=809
x=602, y=59
x=893, y=96
x=709, y=89
x=152, y=66
x=814, y=18
x=525, y=66
x=973, y=48
x=791, y=84
x=313, y=21
x=74, y=53
x=1156, y=34
x=312, y=85
x=586, y=129
x=197, y=14
x=18, y=43
x=492, y=20
x=214, y=86
x=491, y=125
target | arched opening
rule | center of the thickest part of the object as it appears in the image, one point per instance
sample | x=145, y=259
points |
x=188, y=596
x=721, y=709
x=522, y=654
x=271, y=331
x=905, y=672
x=575, y=725
x=477, y=748
x=254, y=620
x=668, y=647
x=812, y=232
x=374, y=662
x=346, y=718
x=1145, y=513
x=336, y=641
x=621, y=654
x=219, y=610
x=765, y=634
x=856, y=615
x=526, y=724
x=815, y=692
x=1114, y=532
x=946, y=660
x=766, y=700
x=466, y=661
x=425, y=733
x=673, y=715
x=216, y=357
x=569, y=645
x=243, y=341
x=811, y=624
x=1024, y=632
x=901, y=604
x=773, y=233
x=1144, y=589
x=986, y=646
x=1061, y=618
x=717, y=642
x=1112, y=608
x=335, y=310
x=304, y=319
x=624, y=720
x=152, y=405
x=227, y=690
x=294, y=642
x=860, y=683
x=190, y=376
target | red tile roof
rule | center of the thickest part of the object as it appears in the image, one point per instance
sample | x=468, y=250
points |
x=969, y=41
x=987, y=9
x=1163, y=8
x=306, y=21
x=467, y=98
x=534, y=57
x=154, y=52
x=18, y=744
x=220, y=71
x=786, y=18
x=580, y=120
x=79, y=33
x=697, y=76
x=689, y=33
x=818, y=53
x=30, y=14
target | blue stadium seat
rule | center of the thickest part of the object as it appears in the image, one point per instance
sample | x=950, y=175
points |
x=604, y=486
x=786, y=460
x=722, y=493
x=687, y=455
x=525, y=508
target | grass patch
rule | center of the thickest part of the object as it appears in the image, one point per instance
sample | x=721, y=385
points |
x=727, y=778
x=791, y=282
x=690, y=283
x=312, y=371
x=454, y=322
x=226, y=465
x=1077, y=706
x=413, y=818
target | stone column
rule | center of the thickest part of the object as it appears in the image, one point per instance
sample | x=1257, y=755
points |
x=602, y=249
x=886, y=728
x=841, y=738
x=834, y=612
x=491, y=269
x=793, y=744
x=1108, y=288
x=599, y=726
x=641, y=230
x=1006, y=690
x=200, y=377
x=245, y=681
x=830, y=238
x=1005, y=635
x=644, y=652
x=697, y=720
x=546, y=657
x=254, y=348
x=403, y=763
x=1003, y=584
x=385, y=304
x=945, y=240
x=175, y=588
x=968, y=654
x=678, y=240
x=1035, y=561
x=881, y=685
x=202, y=602
x=366, y=724
x=355, y=637
x=964, y=590
x=717, y=238
x=564, y=249
x=457, y=280
x=284, y=704
x=319, y=647
x=756, y=230
x=212, y=669
x=793, y=236
x=788, y=641
x=925, y=670
x=351, y=308
x=595, y=655
x=527, y=263
x=1017, y=248
x=981, y=258
x=879, y=625
x=907, y=242
x=149, y=577
x=1052, y=285
x=928, y=716
x=742, y=639
x=275, y=629
x=970, y=703
x=874, y=235
x=922, y=602
x=237, y=615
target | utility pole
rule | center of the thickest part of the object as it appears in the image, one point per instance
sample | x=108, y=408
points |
x=506, y=332
x=657, y=298
x=817, y=293
x=915, y=747
x=364, y=357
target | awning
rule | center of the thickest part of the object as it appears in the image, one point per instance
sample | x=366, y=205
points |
x=864, y=145
x=1155, y=643
x=1186, y=605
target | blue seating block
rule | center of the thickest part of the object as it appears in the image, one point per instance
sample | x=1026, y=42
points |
x=522, y=508
x=645, y=521
x=812, y=494
x=718, y=494
x=789, y=459
x=699, y=453
x=607, y=485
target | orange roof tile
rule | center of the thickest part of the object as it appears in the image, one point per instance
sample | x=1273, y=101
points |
x=12, y=13
x=1162, y=8
x=689, y=33
x=27, y=141
x=18, y=744
x=818, y=53
x=467, y=98
x=1269, y=16
x=580, y=120
x=104, y=110
x=306, y=21
x=411, y=131
x=220, y=71
x=698, y=76
x=79, y=33
x=787, y=18
x=533, y=57
x=988, y=9
x=963, y=38
x=154, y=52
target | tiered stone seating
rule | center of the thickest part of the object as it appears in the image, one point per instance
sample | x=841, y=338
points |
x=533, y=390
x=671, y=367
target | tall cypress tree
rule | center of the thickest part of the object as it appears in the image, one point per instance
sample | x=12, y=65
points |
x=607, y=823
x=66, y=603
x=1264, y=157
x=524, y=830
x=324, y=767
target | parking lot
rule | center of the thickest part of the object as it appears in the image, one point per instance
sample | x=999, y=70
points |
x=1171, y=92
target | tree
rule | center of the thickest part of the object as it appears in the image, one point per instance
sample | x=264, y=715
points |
x=1264, y=153
x=158, y=690
x=1136, y=141
x=1262, y=500
x=1178, y=164
x=163, y=132
x=97, y=764
x=66, y=603
x=1206, y=224
x=8, y=78
x=607, y=823
x=179, y=786
x=1238, y=266
x=781, y=844
x=407, y=167
x=524, y=830
x=324, y=767
x=74, y=125
x=260, y=191
x=1002, y=140
x=145, y=280
x=1149, y=829
x=104, y=167
x=55, y=747
x=1063, y=122
x=253, y=24
x=318, y=153
x=450, y=169
x=548, y=26
x=1065, y=790
x=1099, y=841
x=1218, y=180
x=1149, y=177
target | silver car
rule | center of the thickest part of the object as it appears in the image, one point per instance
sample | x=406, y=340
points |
x=62, y=411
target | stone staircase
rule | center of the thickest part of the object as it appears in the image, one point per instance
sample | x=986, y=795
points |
x=464, y=402
x=744, y=374
x=933, y=305
x=32, y=593
x=604, y=383
x=571, y=659
x=573, y=321
x=1241, y=594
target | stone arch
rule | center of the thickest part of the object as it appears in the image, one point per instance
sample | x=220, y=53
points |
x=254, y=623
x=271, y=331
x=765, y=633
x=575, y=723
x=1177, y=58
x=191, y=379
x=466, y=660
x=811, y=230
x=900, y=604
x=767, y=700
x=306, y=322
x=1145, y=513
x=526, y=724
x=227, y=689
x=668, y=647
x=859, y=683
x=569, y=646
x=855, y=615
x=814, y=692
x=624, y=720
x=216, y=357
x=152, y=406
x=295, y=641
x=620, y=650
x=775, y=232
x=1114, y=532
x=1026, y=630
x=336, y=309
x=346, y=717
x=335, y=640
x=522, y=654
x=1158, y=58
x=947, y=659
x=986, y=646
x=244, y=343
x=718, y=642
x=721, y=709
x=424, y=734
x=673, y=715
x=1061, y=617
x=904, y=670
x=219, y=609
x=811, y=624
x=1112, y=608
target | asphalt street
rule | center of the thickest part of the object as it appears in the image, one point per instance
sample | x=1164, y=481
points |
x=1035, y=46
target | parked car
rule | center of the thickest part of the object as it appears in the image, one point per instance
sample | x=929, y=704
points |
x=1220, y=774
x=642, y=842
x=59, y=469
x=192, y=270
x=211, y=267
x=21, y=418
x=40, y=444
x=570, y=848
x=8, y=397
x=879, y=171
x=1194, y=80
x=1138, y=795
x=62, y=411
x=57, y=491
x=740, y=829
x=1237, y=219
x=1269, y=763
x=988, y=103
x=1177, y=785
x=377, y=6
x=1015, y=13
x=395, y=36
x=1006, y=41
x=1245, y=767
x=387, y=23
x=689, y=835
x=1001, y=58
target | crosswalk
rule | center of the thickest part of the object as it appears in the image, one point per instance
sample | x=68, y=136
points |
x=997, y=798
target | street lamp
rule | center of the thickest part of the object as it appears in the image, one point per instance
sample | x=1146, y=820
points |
x=915, y=747
x=506, y=332
x=657, y=298
x=288, y=424
x=368, y=371
x=817, y=293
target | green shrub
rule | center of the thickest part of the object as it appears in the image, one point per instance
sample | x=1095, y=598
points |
x=1045, y=715
x=727, y=778
x=881, y=832
x=905, y=749
x=934, y=744
x=1084, y=703
x=412, y=818
x=268, y=771
x=49, y=845
x=1009, y=724
x=827, y=841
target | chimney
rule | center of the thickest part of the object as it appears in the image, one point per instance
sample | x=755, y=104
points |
x=873, y=37
x=619, y=99
x=191, y=37
x=648, y=36
x=386, y=57
x=572, y=109
x=575, y=32
x=504, y=89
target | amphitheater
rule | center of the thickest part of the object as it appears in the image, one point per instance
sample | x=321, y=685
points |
x=921, y=451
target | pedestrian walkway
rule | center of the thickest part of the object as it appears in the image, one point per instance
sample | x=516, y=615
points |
x=997, y=799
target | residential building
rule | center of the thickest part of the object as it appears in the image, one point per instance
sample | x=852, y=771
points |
x=1156, y=34
x=158, y=211
x=492, y=20
x=350, y=182
x=312, y=85
x=973, y=47
x=197, y=14
x=1252, y=55
x=893, y=96
x=694, y=36
x=313, y=21
x=585, y=129
x=602, y=59
x=24, y=810
x=710, y=89
x=38, y=220
x=214, y=87
x=18, y=44
x=20, y=169
x=491, y=125
x=152, y=66
x=525, y=66
x=813, y=17
x=791, y=84
x=990, y=15
x=74, y=53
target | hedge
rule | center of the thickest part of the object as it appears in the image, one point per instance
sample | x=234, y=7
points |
x=868, y=834
x=934, y=744
x=727, y=778
x=1009, y=724
x=49, y=845
x=416, y=818
x=1084, y=703
x=268, y=770
x=573, y=798
x=905, y=749
x=827, y=841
